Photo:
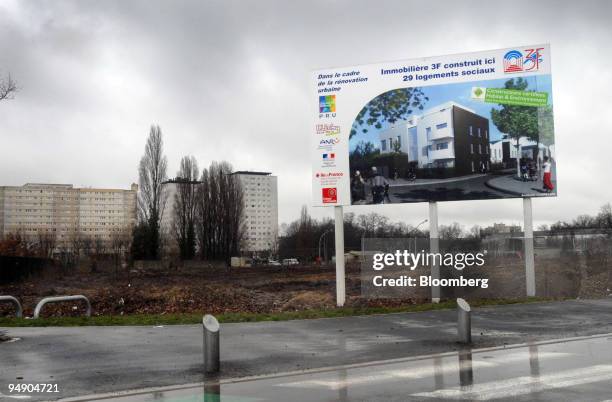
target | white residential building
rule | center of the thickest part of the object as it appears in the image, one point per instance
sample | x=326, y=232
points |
x=505, y=150
x=62, y=211
x=448, y=135
x=261, y=210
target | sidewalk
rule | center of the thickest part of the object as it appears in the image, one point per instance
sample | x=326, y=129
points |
x=420, y=182
x=105, y=359
x=510, y=184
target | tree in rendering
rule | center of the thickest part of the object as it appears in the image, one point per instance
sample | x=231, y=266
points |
x=546, y=125
x=517, y=121
x=151, y=194
x=392, y=106
x=8, y=87
x=185, y=207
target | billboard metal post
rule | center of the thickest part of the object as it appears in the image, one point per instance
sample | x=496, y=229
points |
x=434, y=247
x=528, y=245
x=339, y=229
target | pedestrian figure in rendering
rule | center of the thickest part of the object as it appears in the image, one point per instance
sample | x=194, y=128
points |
x=380, y=187
x=357, y=187
x=524, y=169
x=547, y=175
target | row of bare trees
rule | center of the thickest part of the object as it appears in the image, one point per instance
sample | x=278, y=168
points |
x=45, y=244
x=207, y=209
x=219, y=213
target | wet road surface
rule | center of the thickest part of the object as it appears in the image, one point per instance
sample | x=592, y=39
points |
x=570, y=370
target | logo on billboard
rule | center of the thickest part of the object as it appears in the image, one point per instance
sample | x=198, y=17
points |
x=327, y=106
x=329, y=141
x=513, y=62
x=329, y=157
x=330, y=195
x=528, y=60
x=327, y=144
x=327, y=129
x=533, y=58
x=329, y=175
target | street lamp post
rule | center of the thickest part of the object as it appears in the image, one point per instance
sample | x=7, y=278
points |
x=320, y=239
x=414, y=230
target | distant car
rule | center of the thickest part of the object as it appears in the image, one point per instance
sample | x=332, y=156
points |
x=273, y=262
x=290, y=261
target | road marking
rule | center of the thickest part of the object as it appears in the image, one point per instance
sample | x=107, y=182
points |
x=513, y=387
x=418, y=372
x=14, y=396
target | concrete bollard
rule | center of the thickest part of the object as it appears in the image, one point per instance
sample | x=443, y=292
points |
x=211, y=344
x=464, y=321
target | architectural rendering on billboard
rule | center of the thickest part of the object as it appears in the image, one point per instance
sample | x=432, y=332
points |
x=459, y=127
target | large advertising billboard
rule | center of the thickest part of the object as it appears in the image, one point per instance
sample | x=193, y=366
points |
x=457, y=127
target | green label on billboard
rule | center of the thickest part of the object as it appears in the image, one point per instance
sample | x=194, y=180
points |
x=515, y=97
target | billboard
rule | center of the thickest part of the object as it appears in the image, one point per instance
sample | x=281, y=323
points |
x=457, y=127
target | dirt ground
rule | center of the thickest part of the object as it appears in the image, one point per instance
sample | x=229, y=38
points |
x=195, y=288
x=199, y=287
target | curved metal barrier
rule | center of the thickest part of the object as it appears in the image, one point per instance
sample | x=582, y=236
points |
x=57, y=299
x=11, y=299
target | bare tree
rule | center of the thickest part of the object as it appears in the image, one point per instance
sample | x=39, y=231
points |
x=8, y=87
x=76, y=244
x=119, y=245
x=47, y=242
x=151, y=195
x=185, y=207
x=450, y=232
x=220, y=212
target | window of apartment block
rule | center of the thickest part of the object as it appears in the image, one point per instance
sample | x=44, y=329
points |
x=471, y=148
x=442, y=145
x=479, y=132
x=428, y=131
x=486, y=133
x=383, y=145
x=479, y=149
x=399, y=141
x=473, y=170
x=424, y=151
x=471, y=130
x=441, y=126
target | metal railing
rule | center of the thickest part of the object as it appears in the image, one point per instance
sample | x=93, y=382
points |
x=58, y=299
x=11, y=299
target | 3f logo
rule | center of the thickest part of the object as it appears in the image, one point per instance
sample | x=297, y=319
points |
x=533, y=58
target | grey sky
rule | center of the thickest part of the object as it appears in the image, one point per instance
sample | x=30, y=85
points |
x=230, y=80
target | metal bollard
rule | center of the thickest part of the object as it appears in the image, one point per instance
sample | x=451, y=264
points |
x=464, y=321
x=58, y=299
x=211, y=344
x=11, y=299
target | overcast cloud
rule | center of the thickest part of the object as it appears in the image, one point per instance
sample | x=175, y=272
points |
x=230, y=80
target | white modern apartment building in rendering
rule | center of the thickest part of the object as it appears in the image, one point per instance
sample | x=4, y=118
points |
x=260, y=210
x=445, y=136
x=506, y=150
x=65, y=212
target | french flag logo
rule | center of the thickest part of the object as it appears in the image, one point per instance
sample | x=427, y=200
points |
x=329, y=157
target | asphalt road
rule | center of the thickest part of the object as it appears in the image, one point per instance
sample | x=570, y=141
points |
x=572, y=370
x=460, y=190
x=85, y=360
